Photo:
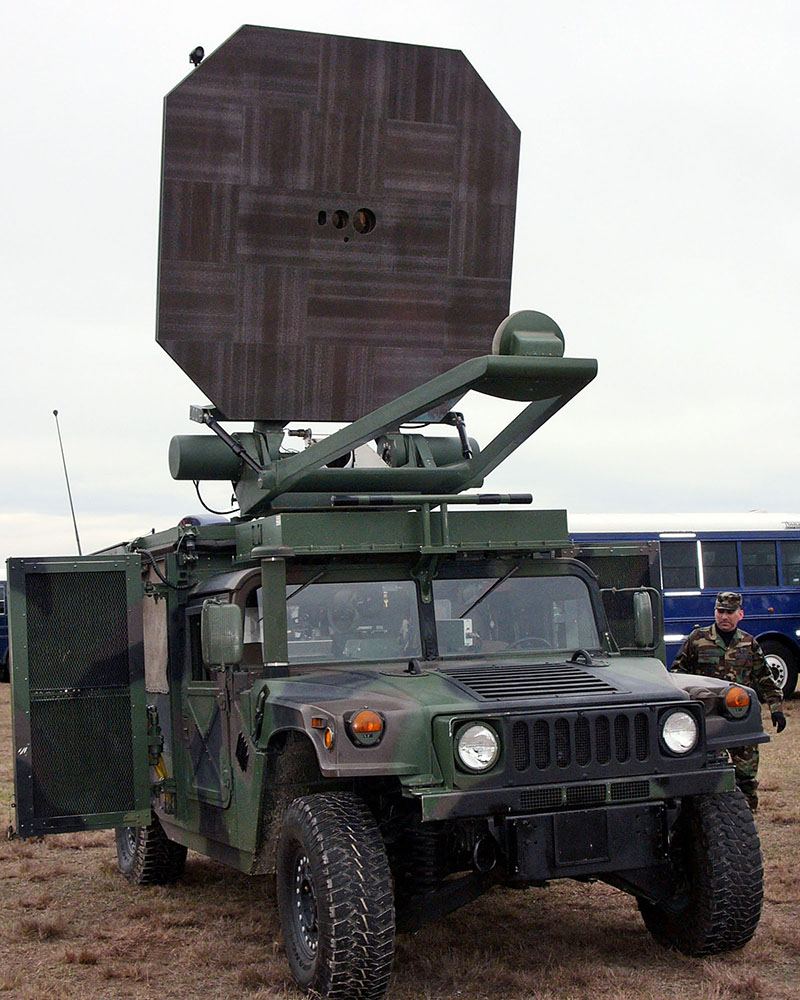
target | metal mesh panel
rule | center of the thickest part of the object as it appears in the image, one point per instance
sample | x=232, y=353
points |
x=522, y=750
x=640, y=736
x=80, y=704
x=77, y=630
x=625, y=791
x=555, y=796
x=622, y=738
x=83, y=753
x=541, y=798
x=541, y=744
x=586, y=795
x=602, y=738
x=582, y=744
x=563, y=753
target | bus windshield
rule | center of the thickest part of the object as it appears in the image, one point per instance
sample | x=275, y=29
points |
x=492, y=614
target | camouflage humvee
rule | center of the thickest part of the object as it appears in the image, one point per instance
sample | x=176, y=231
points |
x=386, y=699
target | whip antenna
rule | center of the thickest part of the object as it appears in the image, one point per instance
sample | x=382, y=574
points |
x=66, y=476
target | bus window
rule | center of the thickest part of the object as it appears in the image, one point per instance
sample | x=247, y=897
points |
x=790, y=563
x=679, y=565
x=720, y=565
x=759, y=564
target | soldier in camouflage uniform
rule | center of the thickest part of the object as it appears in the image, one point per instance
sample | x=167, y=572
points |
x=724, y=650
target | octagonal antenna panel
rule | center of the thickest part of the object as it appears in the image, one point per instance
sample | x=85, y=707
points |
x=337, y=222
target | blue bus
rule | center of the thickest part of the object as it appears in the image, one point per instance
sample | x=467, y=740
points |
x=756, y=554
x=3, y=632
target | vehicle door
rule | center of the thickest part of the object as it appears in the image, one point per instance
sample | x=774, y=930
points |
x=79, y=711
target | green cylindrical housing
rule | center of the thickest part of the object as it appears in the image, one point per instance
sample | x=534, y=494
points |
x=443, y=450
x=195, y=456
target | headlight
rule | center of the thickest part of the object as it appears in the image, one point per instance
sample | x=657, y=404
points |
x=477, y=747
x=679, y=732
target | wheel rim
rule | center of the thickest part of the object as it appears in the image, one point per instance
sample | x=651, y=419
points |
x=777, y=664
x=128, y=840
x=304, y=906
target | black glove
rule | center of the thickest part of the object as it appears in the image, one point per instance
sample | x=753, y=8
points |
x=779, y=721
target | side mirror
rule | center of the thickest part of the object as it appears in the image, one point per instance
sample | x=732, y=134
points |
x=221, y=634
x=642, y=619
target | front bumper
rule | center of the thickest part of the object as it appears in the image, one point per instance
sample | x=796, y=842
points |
x=613, y=794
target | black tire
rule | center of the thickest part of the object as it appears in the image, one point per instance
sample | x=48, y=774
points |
x=716, y=857
x=146, y=856
x=334, y=892
x=783, y=664
x=5, y=673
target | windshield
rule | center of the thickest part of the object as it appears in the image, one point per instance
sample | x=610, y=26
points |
x=352, y=621
x=489, y=614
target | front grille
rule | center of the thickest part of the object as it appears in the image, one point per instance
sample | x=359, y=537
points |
x=522, y=749
x=580, y=739
x=541, y=747
x=640, y=734
x=563, y=743
x=491, y=682
x=621, y=742
x=602, y=734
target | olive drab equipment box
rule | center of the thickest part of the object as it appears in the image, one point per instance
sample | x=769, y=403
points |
x=79, y=715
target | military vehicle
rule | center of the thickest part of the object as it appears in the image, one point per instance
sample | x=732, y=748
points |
x=387, y=699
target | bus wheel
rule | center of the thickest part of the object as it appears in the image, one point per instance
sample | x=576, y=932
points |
x=783, y=664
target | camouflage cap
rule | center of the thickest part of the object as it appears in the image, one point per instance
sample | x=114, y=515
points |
x=727, y=600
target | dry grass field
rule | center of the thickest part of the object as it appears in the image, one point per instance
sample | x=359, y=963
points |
x=73, y=928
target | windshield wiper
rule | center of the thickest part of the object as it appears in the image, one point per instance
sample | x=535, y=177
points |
x=308, y=583
x=493, y=587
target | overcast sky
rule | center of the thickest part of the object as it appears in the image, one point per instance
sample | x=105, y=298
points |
x=657, y=223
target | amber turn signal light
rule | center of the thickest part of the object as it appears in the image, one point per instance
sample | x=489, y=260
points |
x=365, y=728
x=737, y=701
x=366, y=722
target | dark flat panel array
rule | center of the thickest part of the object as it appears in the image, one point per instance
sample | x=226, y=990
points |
x=337, y=222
